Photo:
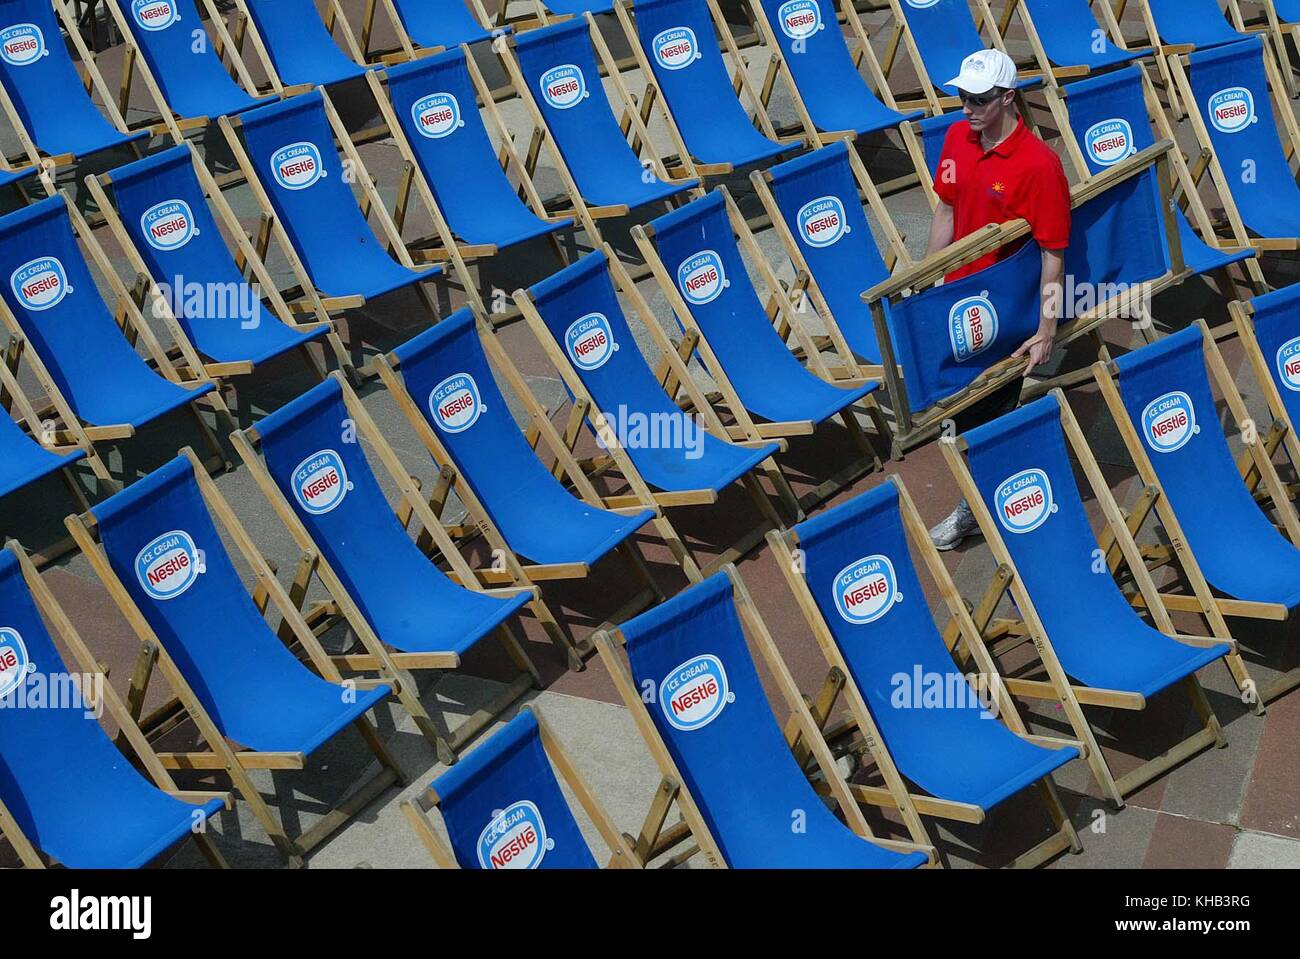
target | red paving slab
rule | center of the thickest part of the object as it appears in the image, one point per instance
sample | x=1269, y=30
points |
x=1180, y=843
x=1273, y=794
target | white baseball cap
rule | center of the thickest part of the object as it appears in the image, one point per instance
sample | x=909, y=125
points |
x=984, y=70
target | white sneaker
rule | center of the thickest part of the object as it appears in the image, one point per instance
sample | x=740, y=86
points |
x=958, y=524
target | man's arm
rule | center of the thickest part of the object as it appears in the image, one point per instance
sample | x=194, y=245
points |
x=1039, y=346
x=940, y=229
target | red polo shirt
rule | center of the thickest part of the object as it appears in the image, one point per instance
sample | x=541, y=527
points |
x=1019, y=178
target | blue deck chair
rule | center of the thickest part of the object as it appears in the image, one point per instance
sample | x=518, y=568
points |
x=298, y=46
x=162, y=208
x=1196, y=23
x=1234, y=119
x=455, y=156
x=52, y=106
x=162, y=559
x=429, y=24
x=1110, y=121
x=826, y=85
x=1020, y=466
x=859, y=574
x=558, y=75
x=503, y=808
x=1070, y=35
x=714, y=733
x=190, y=76
x=1164, y=391
x=694, y=255
x=1275, y=327
x=53, y=299
x=679, y=41
x=291, y=155
x=24, y=460
x=61, y=778
x=839, y=253
x=329, y=497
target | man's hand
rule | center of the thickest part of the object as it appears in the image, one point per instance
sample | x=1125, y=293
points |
x=1038, y=347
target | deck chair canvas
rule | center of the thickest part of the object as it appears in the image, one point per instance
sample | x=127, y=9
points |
x=156, y=548
x=325, y=492
x=675, y=45
x=1107, y=118
x=1269, y=331
x=184, y=74
x=695, y=256
x=576, y=317
x=812, y=58
x=714, y=734
x=431, y=107
x=81, y=349
x=857, y=586
x=1073, y=33
x=295, y=47
x=62, y=779
x=1229, y=92
x=502, y=807
x=1235, y=561
x=426, y=26
x=1281, y=18
x=163, y=214
x=558, y=80
x=837, y=251
x=47, y=96
x=1093, y=646
x=540, y=530
x=289, y=157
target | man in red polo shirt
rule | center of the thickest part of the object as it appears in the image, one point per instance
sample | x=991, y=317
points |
x=993, y=169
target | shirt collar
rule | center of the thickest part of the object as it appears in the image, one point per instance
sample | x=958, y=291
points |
x=1007, y=146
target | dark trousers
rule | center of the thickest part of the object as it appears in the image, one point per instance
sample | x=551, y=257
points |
x=998, y=403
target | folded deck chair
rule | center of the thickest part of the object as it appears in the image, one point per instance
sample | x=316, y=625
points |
x=1231, y=111
x=47, y=102
x=557, y=79
x=161, y=218
x=1094, y=647
x=1074, y=33
x=831, y=98
x=940, y=34
x=694, y=255
x=712, y=731
x=858, y=588
x=449, y=395
x=1223, y=540
x=502, y=807
x=289, y=156
x=665, y=455
x=156, y=548
x=66, y=792
x=813, y=204
x=1107, y=118
x=295, y=46
x=675, y=43
x=476, y=209
x=427, y=24
x=183, y=71
x=326, y=494
x=79, y=352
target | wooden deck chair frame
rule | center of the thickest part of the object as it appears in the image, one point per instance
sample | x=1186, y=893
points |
x=479, y=521
x=1186, y=188
x=784, y=544
x=894, y=254
x=309, y=299
x=129, y=733
x=610, y=644
x=745, y=428
x=641, y=496
x=653, y=97
x=1289, y=135
x=442, y=245
x=394, y=663
x=622, y=856
x=1109, y=23
x=136, y=330
x=94, y=82
x=911, y=429
x=1278, y=30
x=252, y=262
x=221, y=753
x=1058, y=687
x=407, y=48
x=632, y=122
x=1213, y=609
x=133, y=61
x=1282, y=431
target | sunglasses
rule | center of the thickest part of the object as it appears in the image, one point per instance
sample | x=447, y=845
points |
x=982, y=100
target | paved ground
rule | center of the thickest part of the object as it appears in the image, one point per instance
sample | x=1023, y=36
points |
x=1234, y=807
